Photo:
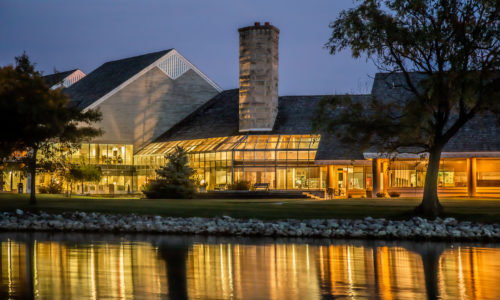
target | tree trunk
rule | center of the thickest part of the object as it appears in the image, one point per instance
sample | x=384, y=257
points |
x=32, y=171
x=430, y=206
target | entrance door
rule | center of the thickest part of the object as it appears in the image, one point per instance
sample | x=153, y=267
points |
x=341, y=182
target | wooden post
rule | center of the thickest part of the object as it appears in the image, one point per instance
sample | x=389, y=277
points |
x=375, y=177
x=331, y=177
x=473, y=175
x=469, y=177
x=385, y=175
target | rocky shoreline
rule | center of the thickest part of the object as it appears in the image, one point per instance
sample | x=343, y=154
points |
x=415, y=229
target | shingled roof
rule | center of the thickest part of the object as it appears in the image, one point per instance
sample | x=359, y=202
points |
x=58, y=77
x=109, y=76
x=480, y=134
x=219, y=118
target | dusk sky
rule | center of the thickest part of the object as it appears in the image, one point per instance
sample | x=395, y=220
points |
x=85, y=34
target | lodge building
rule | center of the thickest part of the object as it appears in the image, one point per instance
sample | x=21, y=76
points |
x=155, y=102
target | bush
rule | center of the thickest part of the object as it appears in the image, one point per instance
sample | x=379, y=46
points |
x=51, y=188
x=176, y=178
x=240, y=186
x=161, y=188
x=394, y=194
x=380, y=195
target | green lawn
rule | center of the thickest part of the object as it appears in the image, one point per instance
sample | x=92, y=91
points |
x=485, y=210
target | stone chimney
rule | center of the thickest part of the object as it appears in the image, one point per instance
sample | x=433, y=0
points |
x=258, y=102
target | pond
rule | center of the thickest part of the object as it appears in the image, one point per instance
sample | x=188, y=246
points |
x=116, y=266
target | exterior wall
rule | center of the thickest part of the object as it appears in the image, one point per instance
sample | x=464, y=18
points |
x=258, y=105
x=151, y=105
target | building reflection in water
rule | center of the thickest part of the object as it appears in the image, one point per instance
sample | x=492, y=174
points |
x=45, y=269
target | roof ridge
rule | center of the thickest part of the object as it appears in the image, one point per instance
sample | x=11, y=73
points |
x=61, y=72
x=138, y=56
x=109, y=76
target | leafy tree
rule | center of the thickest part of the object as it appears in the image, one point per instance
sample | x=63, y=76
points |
x=84, y=173
x=448, y=54
x=38, y=120
x=176, y=178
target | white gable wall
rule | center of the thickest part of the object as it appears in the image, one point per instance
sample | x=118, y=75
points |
x=149, y=105
x=70, y=79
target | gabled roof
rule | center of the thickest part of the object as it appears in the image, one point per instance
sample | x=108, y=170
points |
x=108, y=77
x=219, y=118
x=393, y=86
x=58, y=77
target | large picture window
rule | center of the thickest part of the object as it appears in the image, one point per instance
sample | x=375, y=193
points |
x=411, y=173
x=488, y=172
x=452, y=173
x=407, y=173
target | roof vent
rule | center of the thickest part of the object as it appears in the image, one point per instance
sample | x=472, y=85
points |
x=173, y=66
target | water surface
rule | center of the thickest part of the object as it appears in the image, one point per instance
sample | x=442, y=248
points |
x=113, y=266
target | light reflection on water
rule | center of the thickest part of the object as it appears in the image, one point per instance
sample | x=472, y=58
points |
x=84, y=266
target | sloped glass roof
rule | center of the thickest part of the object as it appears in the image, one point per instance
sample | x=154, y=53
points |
x=240, y=142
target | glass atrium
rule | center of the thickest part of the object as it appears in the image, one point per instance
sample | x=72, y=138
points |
x=282, y=161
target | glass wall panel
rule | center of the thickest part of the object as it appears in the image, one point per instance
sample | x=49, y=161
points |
x=369, y=179
x=303, y=155
x=249, y=155
x=407, y=173
x=281, y=178
x=294, y=142
x=283, y=142
x=270, y=155
x=323, y=177
x=411, y=173
x=291, y=155
x=452, y=173
x=313, y=180
x=94, y=154
x=281, y=155
x=260, y=155
x=290, y=178
x=251, y=142
x=356, y=178
x=312, y=155
x=488, y=172
x=260, y=175
x=83, y=155
x=305, y=141
x=129, y=152
x=238, y=155
x=261, y=142
x=238, y=174
x=315, y=142
x=272, y=142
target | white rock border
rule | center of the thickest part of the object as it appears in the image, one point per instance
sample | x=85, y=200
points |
x=414, y=228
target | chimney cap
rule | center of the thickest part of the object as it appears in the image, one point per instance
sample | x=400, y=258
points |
x=257, y=25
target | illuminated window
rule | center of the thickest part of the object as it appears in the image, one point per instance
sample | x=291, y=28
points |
x=214, y=157
x=488, y=172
